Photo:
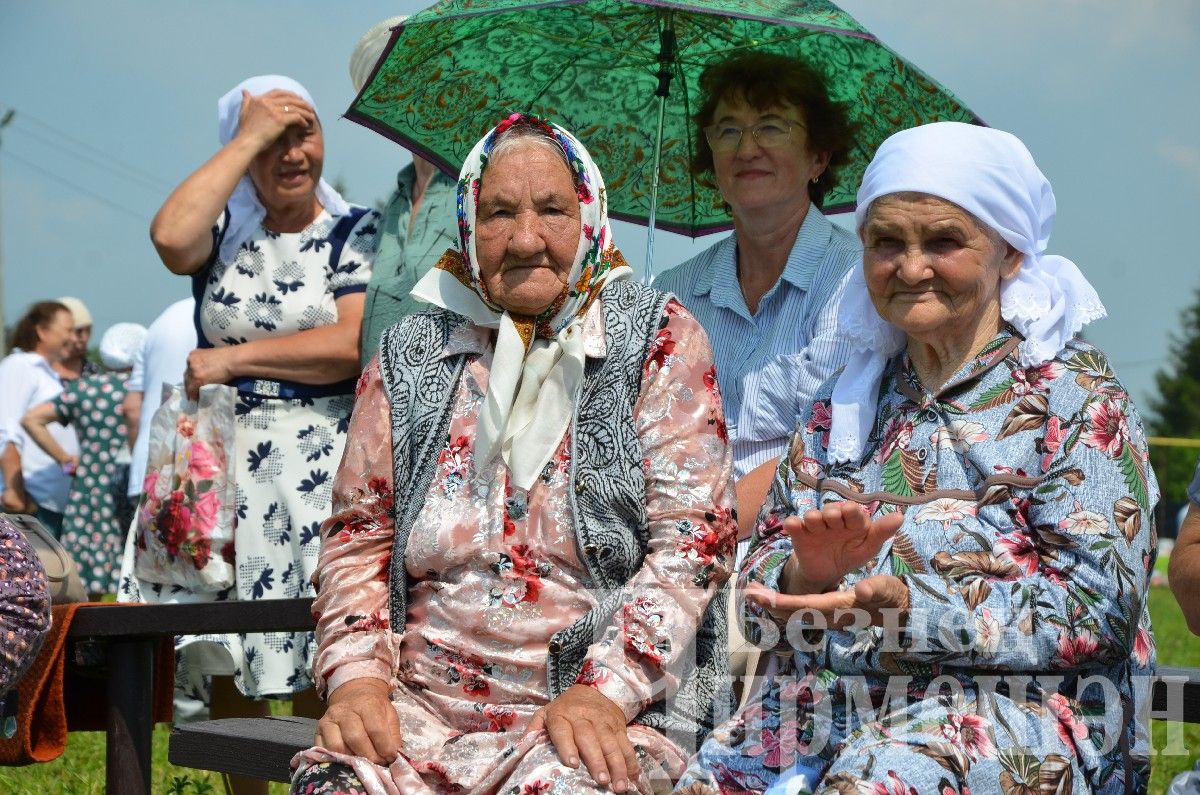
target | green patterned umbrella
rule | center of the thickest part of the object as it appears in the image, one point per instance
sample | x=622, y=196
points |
x=623, y=76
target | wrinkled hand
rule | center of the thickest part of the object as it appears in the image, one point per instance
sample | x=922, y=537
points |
x=361, y=721
x=264, y=118
x=877, y=596
x=583, y=722
x=206, y=366
x=829, y=543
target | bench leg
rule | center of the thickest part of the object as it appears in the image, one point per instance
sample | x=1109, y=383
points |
x=130, y=716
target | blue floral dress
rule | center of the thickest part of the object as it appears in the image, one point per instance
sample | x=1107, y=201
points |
x=92, y=530
x=289, y=436
x=1026, y=546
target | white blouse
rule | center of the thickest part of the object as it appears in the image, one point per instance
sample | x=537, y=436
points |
x=28, y=380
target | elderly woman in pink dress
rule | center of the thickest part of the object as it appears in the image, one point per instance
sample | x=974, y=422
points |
x=533, y=519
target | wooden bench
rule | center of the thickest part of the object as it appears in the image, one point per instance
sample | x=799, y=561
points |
x=126, y=636
x=263, y=747
x=255, y=747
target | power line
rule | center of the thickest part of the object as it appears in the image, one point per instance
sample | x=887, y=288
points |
x=132, y=176
x=73, y=186
x=107, y=157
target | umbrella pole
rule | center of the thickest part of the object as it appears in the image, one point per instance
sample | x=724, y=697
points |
x=666, y=58
x=662, y=112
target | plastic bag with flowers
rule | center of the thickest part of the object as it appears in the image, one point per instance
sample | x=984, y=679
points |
x=186, y=516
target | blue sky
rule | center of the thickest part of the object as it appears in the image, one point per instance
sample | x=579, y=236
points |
x=116, y=104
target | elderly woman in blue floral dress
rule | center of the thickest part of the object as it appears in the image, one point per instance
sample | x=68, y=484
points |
x=958, y=543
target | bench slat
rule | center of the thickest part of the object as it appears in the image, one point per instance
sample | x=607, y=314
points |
x=265, y=615
x=263, y=747
x=256, y=747
x=1168, y=680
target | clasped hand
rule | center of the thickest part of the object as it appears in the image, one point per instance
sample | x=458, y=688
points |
x=206, y=366
x=828, y=544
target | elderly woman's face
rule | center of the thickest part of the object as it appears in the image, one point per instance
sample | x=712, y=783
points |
x=287, y=172
x=752, y=176
x=931, y=269
x=526, y=228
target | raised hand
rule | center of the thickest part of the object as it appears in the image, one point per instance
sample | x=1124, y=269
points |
x=264, y=118
x=828, y=544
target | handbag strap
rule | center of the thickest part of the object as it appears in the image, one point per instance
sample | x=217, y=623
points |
x=57, y=562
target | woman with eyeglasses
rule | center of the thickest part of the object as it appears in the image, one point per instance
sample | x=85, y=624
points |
x=772, y=141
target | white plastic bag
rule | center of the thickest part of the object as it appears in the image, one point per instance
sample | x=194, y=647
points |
x=187, y=514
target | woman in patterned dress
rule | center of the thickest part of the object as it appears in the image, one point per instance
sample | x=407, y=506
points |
x=278, y=262
x=92, y=528
x=516, y=589
x=955, y=552
x=24, y=614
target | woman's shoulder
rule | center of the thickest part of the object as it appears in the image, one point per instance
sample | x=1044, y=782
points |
x=1077, y=372
x=684, y=277
x=423, y=324
x=20, y=361
x=360, y=218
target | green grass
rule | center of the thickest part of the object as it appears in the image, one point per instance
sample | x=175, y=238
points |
x=80, y=771
x=1176, y=646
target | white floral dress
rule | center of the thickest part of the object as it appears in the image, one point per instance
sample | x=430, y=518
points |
x=289, y=436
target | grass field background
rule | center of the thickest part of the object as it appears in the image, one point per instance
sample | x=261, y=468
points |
x=80, y=771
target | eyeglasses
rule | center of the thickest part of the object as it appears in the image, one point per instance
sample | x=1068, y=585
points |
x=769, y=133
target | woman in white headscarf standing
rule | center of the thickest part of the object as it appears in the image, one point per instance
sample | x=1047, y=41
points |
x=279, y=263
x=529, y=528
x=958, y=542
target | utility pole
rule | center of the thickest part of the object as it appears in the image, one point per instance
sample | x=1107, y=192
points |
x=5, y=120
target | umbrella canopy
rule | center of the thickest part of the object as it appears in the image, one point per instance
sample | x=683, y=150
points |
x=623, y=75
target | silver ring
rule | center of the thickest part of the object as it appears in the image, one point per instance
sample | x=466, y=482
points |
x=286, y=109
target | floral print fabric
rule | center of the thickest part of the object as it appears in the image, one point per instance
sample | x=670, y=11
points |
x=1026, y=546
x=24, y=605
x=92, y=531
x=185, y=520
x=286, y=449
x=497, y=572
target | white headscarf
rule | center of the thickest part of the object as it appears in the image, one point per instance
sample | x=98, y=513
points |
x=246, y=212
x=537, y=367
x=120, y=344
x=80, y=315
x=990, y=174
x=366, y=53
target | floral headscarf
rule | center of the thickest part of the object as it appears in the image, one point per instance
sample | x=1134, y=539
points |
x=537, y=368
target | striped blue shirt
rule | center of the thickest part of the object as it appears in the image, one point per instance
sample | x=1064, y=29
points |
x=770, y=364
